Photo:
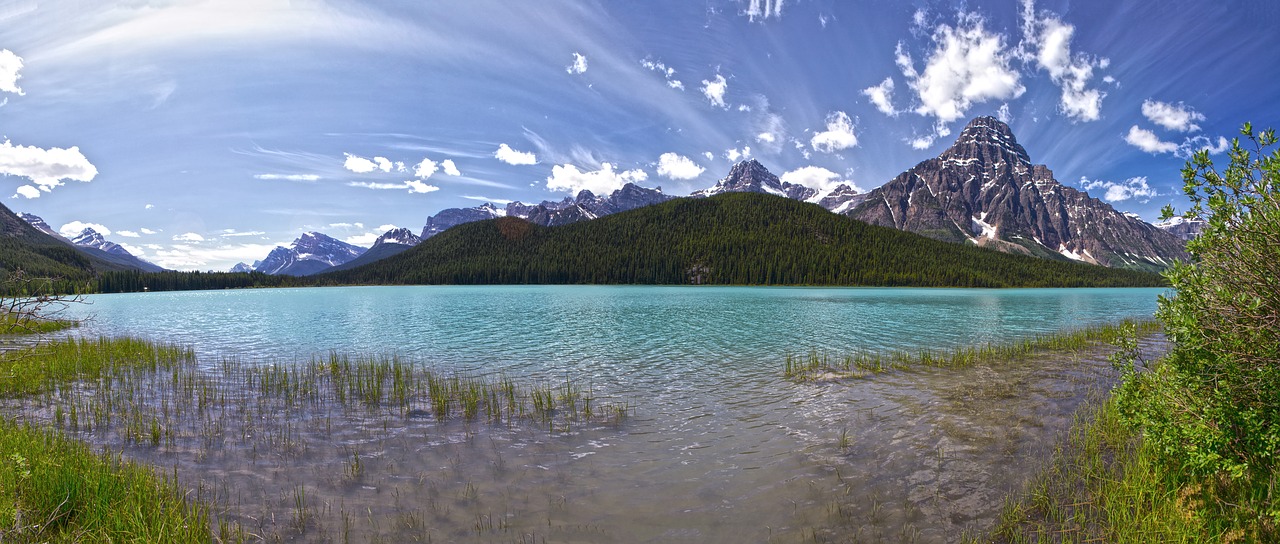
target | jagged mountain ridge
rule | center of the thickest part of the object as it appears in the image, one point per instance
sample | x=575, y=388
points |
x=93, y=243
x=1184, y=229
x=311, y=253
x=984, y=189
x=585, y=206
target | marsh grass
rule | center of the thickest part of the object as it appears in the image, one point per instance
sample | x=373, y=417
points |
x=16, y=323
x=159, y=403
x=822, y=366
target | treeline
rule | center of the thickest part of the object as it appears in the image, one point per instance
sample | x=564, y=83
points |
x=731, y=239
x=133, y=281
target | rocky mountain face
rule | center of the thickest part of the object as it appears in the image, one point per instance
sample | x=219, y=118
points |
x=1184, y=229
x=91, y=238
x=400, y=236
x=985, y=190
x=40, y=225
x=309, y=254
x=583, y=207
x=241, y=267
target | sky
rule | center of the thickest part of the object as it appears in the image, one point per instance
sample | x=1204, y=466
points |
x=200, y=134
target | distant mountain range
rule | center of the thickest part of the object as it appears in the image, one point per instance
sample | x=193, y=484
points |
x=728, y=239
x=983, y=190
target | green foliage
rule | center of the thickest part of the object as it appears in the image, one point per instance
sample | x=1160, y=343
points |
x=730, y=239
x=1211, y=411
x=56, y=490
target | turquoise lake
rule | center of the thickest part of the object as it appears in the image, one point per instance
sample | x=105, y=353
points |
x=719, y=447
x=600, y=328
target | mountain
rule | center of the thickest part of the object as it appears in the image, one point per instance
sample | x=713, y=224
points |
x=40, y=225
x=25, y=247
x=750, y=176
x=101, y=255
x=1185, y=229
x=585, y=206
x=985, y=190
x=90, y=241
x=309, y=254
x=731, y=238
x=392, y=242
x=241, y=268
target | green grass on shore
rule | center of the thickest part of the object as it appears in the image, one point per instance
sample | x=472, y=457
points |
x=815, y=366
x=1102, y=485
x=53, y=489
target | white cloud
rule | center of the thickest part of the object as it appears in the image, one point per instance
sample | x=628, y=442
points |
x=1179, y=117
x=513, y=157
x=498, y=201
x=1190, y=146
x=185, y=257
x=73, y=229
x=148, y=206
x=46, y=168
x=419, y=187
x=764, y=9
x=128, y=234
x=839, y=134
x=735, y=154
x=359, y=165
x=766, y=137
x=882, y=96
x=449, y=168
x=146, y=231
x=1003, y=114
x=922, y=142
x=10, y=64
x=1047, y=41
x=1136, y=187
x=967, y=66
x=27, y=191
x=667, y=72
x=413, y=186
x=709, y=155
x=579, y=64
x=815, y=177
x=385, y=164
x=188, y=237
x=368, y=238
x=288, y=177
x=233, y=233
x=604, y=181
x=425, y=169
x=714, y=90
x=673, y=166
x=1148, y=141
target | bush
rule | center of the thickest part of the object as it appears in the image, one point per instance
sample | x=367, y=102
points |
x=1211, y=412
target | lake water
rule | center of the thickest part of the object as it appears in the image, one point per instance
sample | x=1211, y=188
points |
x=720, y=448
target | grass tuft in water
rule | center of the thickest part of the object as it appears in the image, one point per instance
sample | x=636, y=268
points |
x=821, y=366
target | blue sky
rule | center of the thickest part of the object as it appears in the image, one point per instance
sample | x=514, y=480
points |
x=200, y=134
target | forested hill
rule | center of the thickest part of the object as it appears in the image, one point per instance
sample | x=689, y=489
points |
x=730, y=239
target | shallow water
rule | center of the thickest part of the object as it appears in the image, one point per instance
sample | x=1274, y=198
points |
x=718, y=447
